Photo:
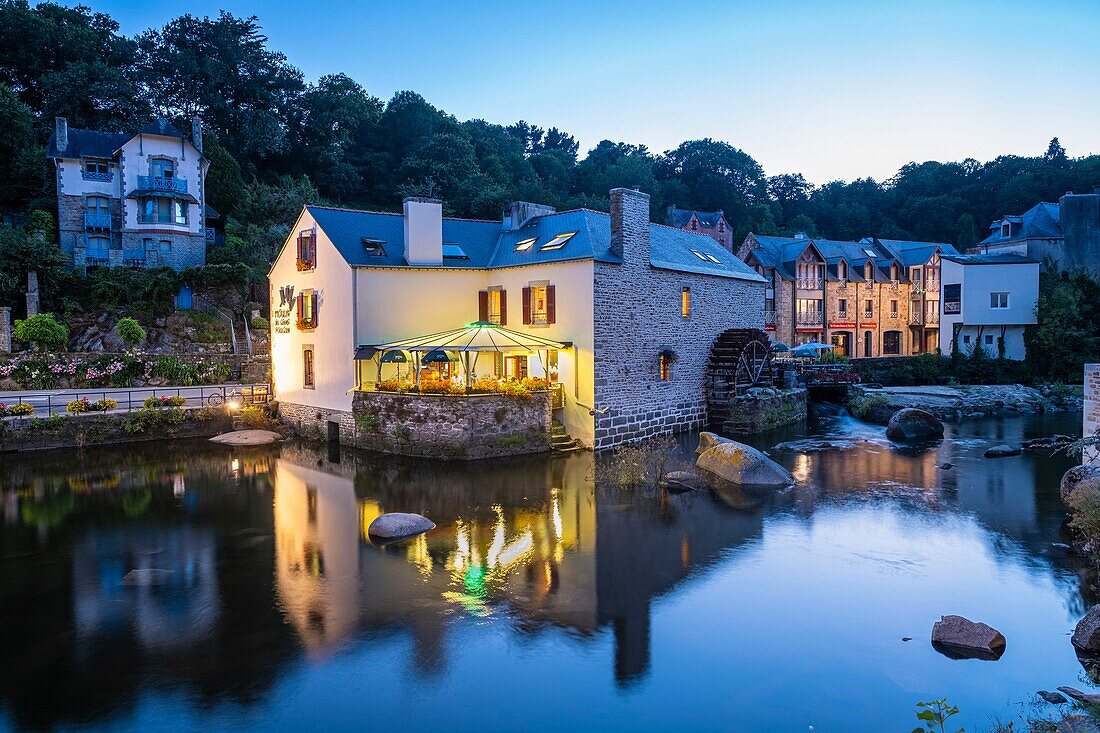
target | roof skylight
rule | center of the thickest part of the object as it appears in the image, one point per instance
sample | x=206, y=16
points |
x=712, y=258
x=525, y=244
x=870, y=253
x=557, y=242
x=374, y=247
x=454, y=252
x=699, y=254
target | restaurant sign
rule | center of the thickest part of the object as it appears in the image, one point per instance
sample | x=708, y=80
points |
x=868, y=324
x=842, y=324
x=281, y=317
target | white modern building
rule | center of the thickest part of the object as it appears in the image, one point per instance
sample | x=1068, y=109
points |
x=627, y=310
x=987, y=301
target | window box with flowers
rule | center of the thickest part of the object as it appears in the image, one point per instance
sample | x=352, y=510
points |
x=307, y=251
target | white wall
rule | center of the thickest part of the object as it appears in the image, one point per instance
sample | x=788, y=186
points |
x=1020, y=281
x=135, y=162
x=71, y=178
x=332, y=340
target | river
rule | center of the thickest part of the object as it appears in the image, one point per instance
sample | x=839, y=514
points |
x=541, y=601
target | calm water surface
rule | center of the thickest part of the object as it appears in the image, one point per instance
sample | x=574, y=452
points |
x=541, y=601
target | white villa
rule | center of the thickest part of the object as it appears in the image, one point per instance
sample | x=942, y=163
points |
x=619, y=314
x=987, y=298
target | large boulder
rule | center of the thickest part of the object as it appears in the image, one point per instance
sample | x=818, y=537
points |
x=395, y=526
x=709, y=440
x=739, y=464
x=960, y=638
x=1080, y=478
x=912, y=423
x=1086, y=637
x=247, y=437
x=1002, y=451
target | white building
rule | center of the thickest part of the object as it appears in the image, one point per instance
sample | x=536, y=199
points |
x=635, y=307
x=987, y=301
x=131, y=199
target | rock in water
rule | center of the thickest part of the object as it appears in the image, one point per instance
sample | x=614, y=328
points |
x=1086, y=636
x=247, y=437
x=1052, y=697
x=1081, y=697
x=961, y=638
x=1086, y=478
x=740, y=464
x=398, y=526
x=1002, y=451
x=709, y=440
x=913, y=424
x=677, y=482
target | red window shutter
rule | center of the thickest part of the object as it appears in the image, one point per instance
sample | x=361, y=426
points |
x=551, y=305
x=301, y=307
x=503, y=307
x=483, y=305
x=527, y=306
x=300, y=247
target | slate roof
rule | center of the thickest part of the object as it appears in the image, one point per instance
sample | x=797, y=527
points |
x=1041, y=221
x=680, y=217
x=911, y=253
x=488, y=245
x=1003, y=258
x=782, y=253
x=88, y=144
x=162, y=127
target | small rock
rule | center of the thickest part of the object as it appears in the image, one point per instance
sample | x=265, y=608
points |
x=1052, y=697
x=1086, y=636
x=677, y=482
x=1079, y=696
x=912, y=423
x=960, y=638
x=945, y=466
x=1060, y=545
x=709, y=440
x=1002, y=451
x=395, y=526
x=906, y=638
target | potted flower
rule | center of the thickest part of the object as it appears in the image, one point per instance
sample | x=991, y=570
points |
x=76, y=406
x=21, y=409
x=304, y=265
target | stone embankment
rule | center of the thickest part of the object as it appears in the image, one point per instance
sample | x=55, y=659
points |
x=961, y=403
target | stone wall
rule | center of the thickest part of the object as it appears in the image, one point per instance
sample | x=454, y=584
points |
x=5, y=330
x=637, y=315
x=88, y=429
x=765, y=409
x=1092, y=409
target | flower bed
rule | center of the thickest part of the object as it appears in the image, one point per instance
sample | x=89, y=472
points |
x=517, y=389
x=57, y=371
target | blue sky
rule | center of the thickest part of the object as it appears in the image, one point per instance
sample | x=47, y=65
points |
x=830, y=89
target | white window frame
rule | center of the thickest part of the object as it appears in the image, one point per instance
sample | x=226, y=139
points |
x=997, y=302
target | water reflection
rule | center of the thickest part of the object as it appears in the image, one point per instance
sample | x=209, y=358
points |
x=224, y=575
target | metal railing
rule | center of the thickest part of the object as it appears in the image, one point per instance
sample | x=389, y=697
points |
x=55, y=403
x=769, y=318
x=93, y=176
x=808, y=283
x=160, y=183
x=96, y=220
x=803, y=318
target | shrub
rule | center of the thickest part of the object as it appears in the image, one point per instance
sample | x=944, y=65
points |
x=205, y=414
x=155, y=403
x=104, y=404
x=832, y=357
x=640, y=464
x=21, y=409
x=257, y=418
x=260, y=323
x=80, y=405
x=862, y=406
x=43, y=330
x=130, y=331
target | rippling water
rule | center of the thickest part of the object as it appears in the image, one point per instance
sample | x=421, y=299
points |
x=541, y=601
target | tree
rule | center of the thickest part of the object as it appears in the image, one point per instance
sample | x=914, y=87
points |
x=1067, y=334
x=130, y=331
x=20, y=155
x=966, y=235
x=224, y=184
x=43, y=330
x=1055, y=152
x=25, y=250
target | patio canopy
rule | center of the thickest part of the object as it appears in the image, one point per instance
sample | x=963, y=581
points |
x=476, y=336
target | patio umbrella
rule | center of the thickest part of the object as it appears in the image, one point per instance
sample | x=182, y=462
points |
x=394, y=357
x=777, y=346
x=810, y=349
x=436, y=356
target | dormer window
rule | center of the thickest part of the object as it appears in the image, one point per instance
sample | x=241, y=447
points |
x=868, y=272
x=96, y=169
x=842, y=270
x=1006, y=229
x=894, y=271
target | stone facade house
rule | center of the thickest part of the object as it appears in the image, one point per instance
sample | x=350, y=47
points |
x=1064, y=236
x=711, y=223
x=131, y=199
x=633, y=306
x=875, y=297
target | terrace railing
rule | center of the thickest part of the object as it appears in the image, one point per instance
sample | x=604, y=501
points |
x=97, y=220
x=809, y=318
x=160, y=183
x=49, y=404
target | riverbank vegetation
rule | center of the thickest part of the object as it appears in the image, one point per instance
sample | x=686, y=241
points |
x=56, y=371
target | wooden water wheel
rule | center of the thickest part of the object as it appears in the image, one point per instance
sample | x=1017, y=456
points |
x=741, y=358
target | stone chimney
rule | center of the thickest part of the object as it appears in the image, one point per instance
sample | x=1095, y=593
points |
x=519, y=213
x=61, y=133
x=196, y=133
x=630, y=226
x=32, y=294
x=5, y=330
x=423, y=230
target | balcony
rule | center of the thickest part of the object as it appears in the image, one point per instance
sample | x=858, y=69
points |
x=808, y=283
x=97, y=220
x=809, y=319
x=161, y=184
x=916, y=319
x=928, y=319
x=769, y=318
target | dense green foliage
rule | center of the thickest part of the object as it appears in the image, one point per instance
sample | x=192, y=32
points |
x=1068, y=332
x=130, y=331
x=43, y=330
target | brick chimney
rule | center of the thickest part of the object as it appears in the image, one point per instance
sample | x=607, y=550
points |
x=61, y=133
x=196, y=133
x=423, y=230
x=630, y=226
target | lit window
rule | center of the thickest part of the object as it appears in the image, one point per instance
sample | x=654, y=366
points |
x=539, y=305
x=307, y=367
x=685, y=302
x=494, y=309
x=558, y=241
x=453, y=252
x=525, y=244
x=664, y=365
x=998, y=300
